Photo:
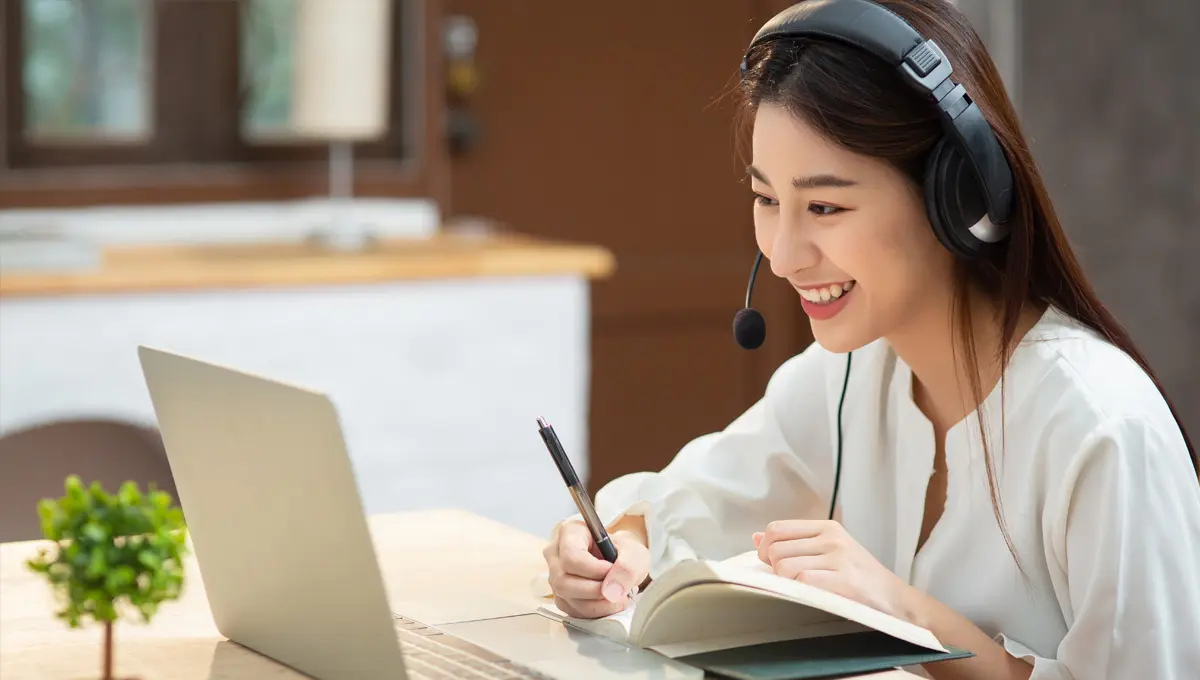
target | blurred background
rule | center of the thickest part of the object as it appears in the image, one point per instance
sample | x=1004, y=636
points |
x=454, y=216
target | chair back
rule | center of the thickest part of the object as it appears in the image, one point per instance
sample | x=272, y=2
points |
x=35, y=462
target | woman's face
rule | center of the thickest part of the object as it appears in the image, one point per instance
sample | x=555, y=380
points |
x=849, y=232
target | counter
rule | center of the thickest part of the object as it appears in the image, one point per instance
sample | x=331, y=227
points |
x=439, y=353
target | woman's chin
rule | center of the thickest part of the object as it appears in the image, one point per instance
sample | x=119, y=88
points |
x=840, y=338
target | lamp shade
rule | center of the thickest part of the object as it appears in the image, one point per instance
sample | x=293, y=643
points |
x=341, y=66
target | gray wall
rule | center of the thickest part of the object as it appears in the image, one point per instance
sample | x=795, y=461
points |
x=1110, y=95
x=998, y=23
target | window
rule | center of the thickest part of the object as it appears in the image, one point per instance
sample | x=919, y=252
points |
x=84, y=70
x=115, y=101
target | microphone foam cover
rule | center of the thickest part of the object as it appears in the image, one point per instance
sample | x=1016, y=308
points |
x=749, y=328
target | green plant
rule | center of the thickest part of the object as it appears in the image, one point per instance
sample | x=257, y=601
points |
x=123, y=549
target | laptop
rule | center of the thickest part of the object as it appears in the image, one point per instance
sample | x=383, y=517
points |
x=278, y=528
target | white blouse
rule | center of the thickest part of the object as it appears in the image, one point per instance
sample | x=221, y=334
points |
x=1099, y=498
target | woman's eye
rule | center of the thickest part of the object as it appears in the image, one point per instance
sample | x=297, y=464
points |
x=823, y=210
x=764, y=200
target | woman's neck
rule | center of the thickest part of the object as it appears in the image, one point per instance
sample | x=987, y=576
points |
x=942, y=386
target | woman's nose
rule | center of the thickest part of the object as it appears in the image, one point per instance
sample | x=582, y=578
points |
x=792, y=250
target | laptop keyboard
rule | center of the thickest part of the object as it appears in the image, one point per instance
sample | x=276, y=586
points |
x=430, y=654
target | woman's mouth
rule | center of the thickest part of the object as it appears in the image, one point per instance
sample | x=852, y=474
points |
x=826, y=301
x=826, y=294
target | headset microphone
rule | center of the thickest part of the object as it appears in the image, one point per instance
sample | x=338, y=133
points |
x=749, y=327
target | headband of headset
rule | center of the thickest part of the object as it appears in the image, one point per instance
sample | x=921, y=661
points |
x=878, y=31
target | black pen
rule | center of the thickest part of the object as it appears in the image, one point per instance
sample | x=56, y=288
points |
x=603, y=542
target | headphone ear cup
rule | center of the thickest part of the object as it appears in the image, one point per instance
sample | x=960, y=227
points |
x=953, y=199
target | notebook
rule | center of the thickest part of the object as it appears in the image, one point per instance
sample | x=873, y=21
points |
x=736, y=614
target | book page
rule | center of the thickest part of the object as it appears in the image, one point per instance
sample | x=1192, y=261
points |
x=734, y=600
x=614, y=626
x=698, y=599
x=714, y=610
x=748, y=560
x=817, y=598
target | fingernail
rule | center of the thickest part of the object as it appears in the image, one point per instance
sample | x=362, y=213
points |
x=613, y=592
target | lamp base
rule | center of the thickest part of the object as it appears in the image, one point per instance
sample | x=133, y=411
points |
x=343, y=232
x=344, y=238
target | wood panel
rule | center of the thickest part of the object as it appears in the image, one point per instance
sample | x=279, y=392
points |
x=650, y=394
x=608, y=124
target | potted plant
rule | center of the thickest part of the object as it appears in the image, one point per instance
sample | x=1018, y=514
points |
x=112, y=552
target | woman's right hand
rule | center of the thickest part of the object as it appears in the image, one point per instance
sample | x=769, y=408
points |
x=586, y=585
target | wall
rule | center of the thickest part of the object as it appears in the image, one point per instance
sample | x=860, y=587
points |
x=998, y=23
x=1112, y=110
x=598, y=125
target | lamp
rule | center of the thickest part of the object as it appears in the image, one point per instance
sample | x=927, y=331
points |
x=342, y=54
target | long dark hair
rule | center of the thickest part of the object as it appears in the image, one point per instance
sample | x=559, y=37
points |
x=861, y=104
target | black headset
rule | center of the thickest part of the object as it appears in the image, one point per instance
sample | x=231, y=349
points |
x=968, y=184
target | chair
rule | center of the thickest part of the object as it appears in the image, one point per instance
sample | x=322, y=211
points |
x=35, y=462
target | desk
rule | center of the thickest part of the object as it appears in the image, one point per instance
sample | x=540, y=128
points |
x=410, y=340
x=425, y=556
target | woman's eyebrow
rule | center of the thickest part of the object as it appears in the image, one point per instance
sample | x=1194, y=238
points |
x=824, y=180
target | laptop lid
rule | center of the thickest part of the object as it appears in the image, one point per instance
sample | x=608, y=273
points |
x=275, y=518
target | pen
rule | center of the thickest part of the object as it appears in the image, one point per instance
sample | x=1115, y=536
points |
x=603, y=542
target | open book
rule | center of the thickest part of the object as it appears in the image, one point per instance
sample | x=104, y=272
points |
x=702, y=606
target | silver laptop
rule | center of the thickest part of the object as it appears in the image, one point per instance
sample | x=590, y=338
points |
x=290, y=570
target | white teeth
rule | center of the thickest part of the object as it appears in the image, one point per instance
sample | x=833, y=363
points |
x=826, y=294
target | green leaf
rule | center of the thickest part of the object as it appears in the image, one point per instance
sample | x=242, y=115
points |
x=98, y=495
x=120, y=578
x=104, y=610
x=128, y=494
x=51, y=516
x=45, y=509
x=73, y=486
x=148, y=610
x=150, y=558
x=111, y=549
x=97, y=564
x=95, y=532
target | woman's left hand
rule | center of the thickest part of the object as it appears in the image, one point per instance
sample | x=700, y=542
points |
x=823, y=554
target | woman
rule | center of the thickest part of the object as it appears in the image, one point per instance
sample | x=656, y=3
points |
x=1012, y=478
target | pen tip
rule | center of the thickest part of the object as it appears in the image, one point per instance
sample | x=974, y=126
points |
x=542, y=422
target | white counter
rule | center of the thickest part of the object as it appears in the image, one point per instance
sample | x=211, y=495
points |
x=438, y=381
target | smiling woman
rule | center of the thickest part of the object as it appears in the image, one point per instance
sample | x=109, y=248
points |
x=1013, y=478
x=838, y=217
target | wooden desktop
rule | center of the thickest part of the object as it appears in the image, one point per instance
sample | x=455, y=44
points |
x=437, y=565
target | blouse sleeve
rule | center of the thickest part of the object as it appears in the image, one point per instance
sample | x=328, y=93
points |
x=1127, y=538
x=723, y=486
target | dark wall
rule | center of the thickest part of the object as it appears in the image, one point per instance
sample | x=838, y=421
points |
x=1110, y=95
x=601, y=127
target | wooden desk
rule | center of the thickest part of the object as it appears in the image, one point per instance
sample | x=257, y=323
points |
x=425, y=557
